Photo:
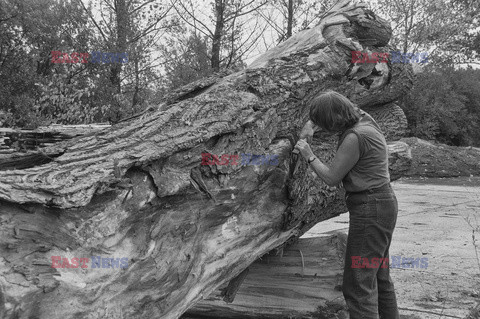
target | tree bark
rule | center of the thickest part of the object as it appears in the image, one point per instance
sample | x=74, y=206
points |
x=289, y=19
x=217, y=35
x=121, y=15
x=138, y=190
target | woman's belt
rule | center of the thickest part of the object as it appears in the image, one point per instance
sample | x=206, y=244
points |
x=372, y=190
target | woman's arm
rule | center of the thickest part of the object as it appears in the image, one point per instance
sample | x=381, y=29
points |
x=345, y=159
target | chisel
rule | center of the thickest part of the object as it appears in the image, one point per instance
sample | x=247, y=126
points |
x=296, y=159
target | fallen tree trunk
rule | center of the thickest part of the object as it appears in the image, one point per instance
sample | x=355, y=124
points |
x=26, y=148
x=44, y=136
x=157, y=230
x=302, y=281
x=433, y=159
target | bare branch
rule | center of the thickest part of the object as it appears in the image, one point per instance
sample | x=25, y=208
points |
x=232, y=40
x=94, y=22
x=107, y=24
x=254, y=42
x=141, y=6
x=249, y=11
x=109, y=5
x=209, y=34
x=149, y=29
x=272, y=24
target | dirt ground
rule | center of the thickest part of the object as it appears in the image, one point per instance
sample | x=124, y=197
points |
x=433, y=223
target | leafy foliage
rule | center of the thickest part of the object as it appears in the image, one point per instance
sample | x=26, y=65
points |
x=444, y=105
x=188, y=60
x=36, y=91
x=444, y=28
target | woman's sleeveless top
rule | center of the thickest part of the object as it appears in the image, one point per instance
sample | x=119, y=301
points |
x=371, y=170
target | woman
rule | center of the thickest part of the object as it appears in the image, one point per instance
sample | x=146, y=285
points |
x=361, y=163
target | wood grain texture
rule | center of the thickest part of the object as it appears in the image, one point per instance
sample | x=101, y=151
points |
x=302, y=281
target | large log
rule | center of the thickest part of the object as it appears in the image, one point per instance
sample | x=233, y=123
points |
x=25, y=148
x=302, y=281
x=138, y=190
x=27, y=139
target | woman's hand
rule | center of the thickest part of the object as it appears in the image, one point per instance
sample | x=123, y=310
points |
x=308, y=130
x=304, y=149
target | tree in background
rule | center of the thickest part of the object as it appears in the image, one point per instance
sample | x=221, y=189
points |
x=444, y=106
x=38, y=92
x=466, y=82
x=134, y=27
x=469, y=43
x=232, y=28
x=188, y=59
x=172, y=43
x=194, y=38
x=227, y=32
x=286, y=17
x=441, y=27
x=30, y=31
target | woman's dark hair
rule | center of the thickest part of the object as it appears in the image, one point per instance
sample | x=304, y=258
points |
x=333, y=112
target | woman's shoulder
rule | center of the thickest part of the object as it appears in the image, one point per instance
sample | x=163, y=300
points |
x=365, y=119
x=368, y=120
x=365, y=116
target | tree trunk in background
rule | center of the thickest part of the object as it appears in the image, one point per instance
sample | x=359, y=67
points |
x=217, y=35
x=121, y=41
x=138, y=190
x=289, y=19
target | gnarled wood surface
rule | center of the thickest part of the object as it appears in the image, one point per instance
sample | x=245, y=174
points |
x=138, y=190
x=302, y=281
